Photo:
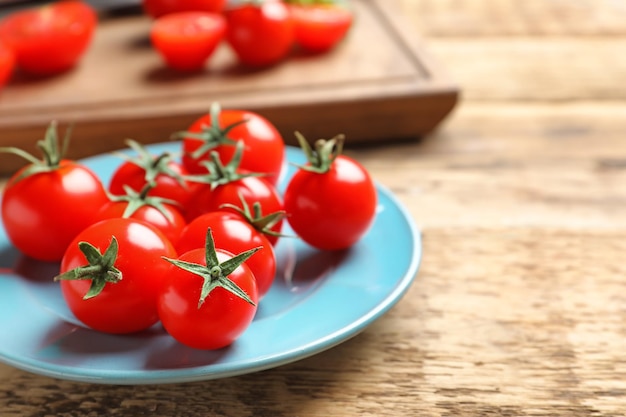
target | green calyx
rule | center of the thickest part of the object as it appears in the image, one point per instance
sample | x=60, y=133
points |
x=151, y=164
x=220, y=174
x=135, y=200
x=215, y=274
x=212, y=136
x=100, y=270
x=254, y=216
x=52, y=151
x=320, y=158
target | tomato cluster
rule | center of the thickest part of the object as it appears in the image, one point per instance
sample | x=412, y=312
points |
x=52, y=38
x=188, y=241
x=261, y=33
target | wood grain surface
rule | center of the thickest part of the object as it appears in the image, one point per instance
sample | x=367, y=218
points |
x=519, y=306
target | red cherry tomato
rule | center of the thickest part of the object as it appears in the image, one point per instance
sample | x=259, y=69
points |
x=264, y=148
x=49, y=201
x=129, y=305
x=49, y=39
x=7, y=64
x=233, y=233
x=158, y=8
x=167, y=218
x=186, y=40
x=331, y=210
x=167, y=174
x=251, y=189
x=319, y=27
x=260, y=34
x=213, y=320
x=42, y=213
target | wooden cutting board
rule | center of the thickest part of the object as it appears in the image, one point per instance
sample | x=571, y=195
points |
x=380, y=84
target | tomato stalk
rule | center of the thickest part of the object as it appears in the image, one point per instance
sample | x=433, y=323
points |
x=136, y=200
x=212, y=136
x=255, y=216
x=214, y=273
x=152, y=165
x=320, y=158
x=52, y=151
x=220, y=174
x=100, y=270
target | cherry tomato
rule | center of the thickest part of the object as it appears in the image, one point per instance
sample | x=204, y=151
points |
x=220, y=130
x=104, y=301
x=7, y=64
x=233, y=233
x=158, y=8
x=42, y=213
x=48, y=202
x=163, y=216
x=208, y=300
x=186, y=40
x=49, y=39
x=319, y=27
x=269, y=224
x=333, y=206
x=260, y=34
x=250, y=189
x=166, y=173
x=225, y=185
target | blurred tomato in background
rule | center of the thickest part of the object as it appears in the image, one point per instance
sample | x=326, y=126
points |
x=157, y=8
x=49, y=39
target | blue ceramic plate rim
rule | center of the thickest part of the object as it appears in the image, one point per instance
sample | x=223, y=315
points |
x=353, y=318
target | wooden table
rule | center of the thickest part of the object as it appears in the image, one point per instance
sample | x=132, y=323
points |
x=519, y=307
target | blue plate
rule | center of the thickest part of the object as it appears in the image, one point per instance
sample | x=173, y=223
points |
x=319, y=299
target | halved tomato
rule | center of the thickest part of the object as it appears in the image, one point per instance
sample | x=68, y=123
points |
x=49, y=39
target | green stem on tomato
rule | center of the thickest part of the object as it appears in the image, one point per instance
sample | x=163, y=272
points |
x=135, y=200
x=211, y=136
x=214, y=273
x=320, y=158
x=220, y=174
x=100, y=269
x=52, y=152
x=152, y=165
x=255, y=217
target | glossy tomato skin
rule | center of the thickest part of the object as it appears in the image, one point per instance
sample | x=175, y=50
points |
x=220, y=320
x=264, y=147
x=171, y=228
x=234, y=234
x=129, y=305
x=318, y=28
x=260, y=35
x=251, y=189
x=186, y=40
x=49, y=39
x=43, y=212
x=7, y=64
x=166, y=186
x=331, y=211
x=158, y=8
